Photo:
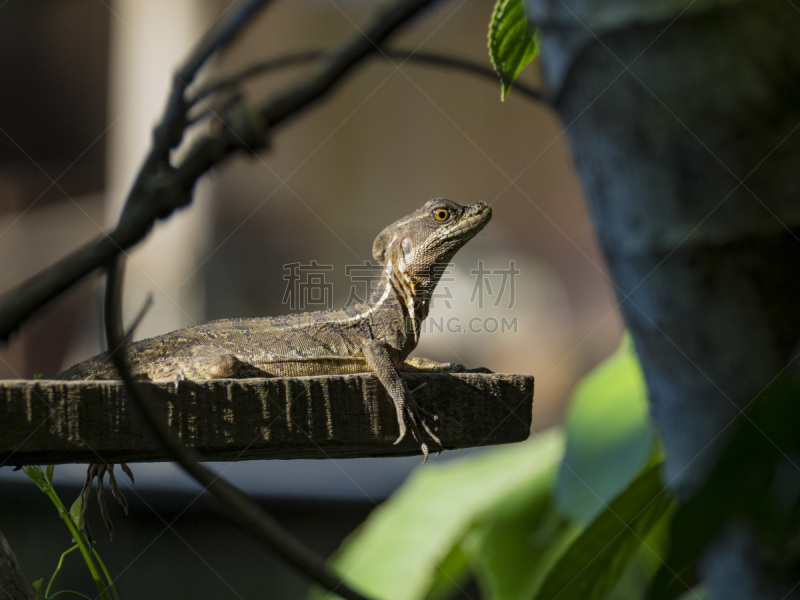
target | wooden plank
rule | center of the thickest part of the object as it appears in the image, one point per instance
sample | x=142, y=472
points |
x=343, y=416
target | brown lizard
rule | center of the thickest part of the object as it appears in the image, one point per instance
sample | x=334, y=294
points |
x=376, y=336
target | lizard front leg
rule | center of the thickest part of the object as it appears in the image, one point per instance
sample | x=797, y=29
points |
x=381, y=363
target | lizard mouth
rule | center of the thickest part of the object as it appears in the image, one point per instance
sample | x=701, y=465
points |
x=474, y=219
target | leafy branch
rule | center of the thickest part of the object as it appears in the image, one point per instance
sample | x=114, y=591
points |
x=72, y=519
x=301, y=58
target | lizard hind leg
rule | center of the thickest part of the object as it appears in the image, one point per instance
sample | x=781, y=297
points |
x=198, y=362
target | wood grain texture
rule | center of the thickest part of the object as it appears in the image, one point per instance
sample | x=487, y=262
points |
x=343, y=416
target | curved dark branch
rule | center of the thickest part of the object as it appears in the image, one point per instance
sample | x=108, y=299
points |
x=250, y=71
x=460, y=64
x=218, y=37
x=160, y=189
x=214, y=149
x=169, y=131
x=291, y=104
x=302, y=58
x=240, y=508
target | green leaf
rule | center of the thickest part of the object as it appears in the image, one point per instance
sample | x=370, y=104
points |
x=37, y=588
x=515, y=545
x=646, y=560
x=610, y=437
x=75, y=512
x=35, y=473
x=49, y=472
x=512, y=42
x=451, y=572
x=592, y=565
x=405, y=548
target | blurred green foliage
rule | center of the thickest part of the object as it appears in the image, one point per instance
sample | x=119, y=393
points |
x=610, y=437
x=578, y=512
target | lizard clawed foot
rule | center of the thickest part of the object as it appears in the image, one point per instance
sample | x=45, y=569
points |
x=415, y=417
x=424, y=417
x=98, y=471
x=433, y=436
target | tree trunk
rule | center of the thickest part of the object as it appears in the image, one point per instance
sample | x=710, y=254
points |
x=682, y=117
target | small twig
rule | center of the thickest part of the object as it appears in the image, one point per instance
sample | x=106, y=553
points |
x=453, y=62
x=219, y=37
x=212, y=150
x=148, y=302
x=169, y=131
x=301, y=58
x=240, y=508
x=219, y=109
x=270, y=64
x=363, y=45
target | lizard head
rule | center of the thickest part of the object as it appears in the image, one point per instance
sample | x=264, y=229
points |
x=415, y=250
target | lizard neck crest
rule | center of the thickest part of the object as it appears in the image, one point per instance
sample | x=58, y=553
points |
x=414, y=253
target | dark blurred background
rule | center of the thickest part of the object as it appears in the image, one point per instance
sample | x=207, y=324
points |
x=83, y=82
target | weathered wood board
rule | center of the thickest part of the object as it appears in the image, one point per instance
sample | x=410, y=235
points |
x=343, y=416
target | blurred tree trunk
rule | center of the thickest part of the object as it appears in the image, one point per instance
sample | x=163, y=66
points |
x=683, y=120
x=13, y=585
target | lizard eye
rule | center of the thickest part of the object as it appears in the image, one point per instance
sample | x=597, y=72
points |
x=441, y=214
